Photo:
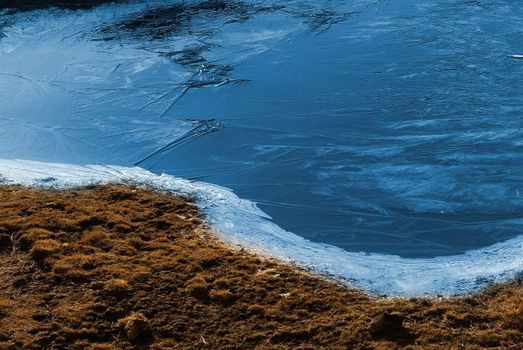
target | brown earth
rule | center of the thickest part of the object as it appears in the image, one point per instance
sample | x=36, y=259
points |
x=115, y=267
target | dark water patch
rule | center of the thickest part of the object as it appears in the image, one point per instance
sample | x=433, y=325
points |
x=199, y=20
x=202, y=20
x=31, y=5
x=158, y=23
x=323, y=18
x=206, y=73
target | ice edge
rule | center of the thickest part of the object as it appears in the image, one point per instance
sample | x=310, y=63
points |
x=239, y=221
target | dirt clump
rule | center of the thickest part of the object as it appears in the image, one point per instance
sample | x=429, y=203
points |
x=117, y=287
x=135, y=325
x=386, y=324
x=121, y=267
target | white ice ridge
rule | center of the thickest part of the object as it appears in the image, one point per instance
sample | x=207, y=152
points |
x=240, y=222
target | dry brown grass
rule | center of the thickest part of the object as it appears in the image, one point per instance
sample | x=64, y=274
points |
x=83, y=269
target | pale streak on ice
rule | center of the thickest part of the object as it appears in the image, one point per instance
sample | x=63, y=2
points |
x=240, y=222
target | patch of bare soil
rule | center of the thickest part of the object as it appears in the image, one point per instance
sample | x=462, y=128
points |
x=115, y=267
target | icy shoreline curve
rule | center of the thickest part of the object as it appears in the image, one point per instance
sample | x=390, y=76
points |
x=239, y=221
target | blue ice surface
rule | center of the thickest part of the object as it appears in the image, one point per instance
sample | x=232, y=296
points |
x=389, y=127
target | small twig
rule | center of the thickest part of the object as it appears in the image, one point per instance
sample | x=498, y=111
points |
x=112, y=71
x=13, y=242
x=185, y=89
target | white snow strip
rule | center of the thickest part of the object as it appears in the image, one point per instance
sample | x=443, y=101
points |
x=240, y=222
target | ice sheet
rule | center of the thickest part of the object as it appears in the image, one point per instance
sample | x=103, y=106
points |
x=389, y=128
x=396, y=131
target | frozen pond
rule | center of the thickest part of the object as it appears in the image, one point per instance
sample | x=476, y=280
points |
x=392, y=127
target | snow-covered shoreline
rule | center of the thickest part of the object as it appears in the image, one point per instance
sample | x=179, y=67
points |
x=239, y=221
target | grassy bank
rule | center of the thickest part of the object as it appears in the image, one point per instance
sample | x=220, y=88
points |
x=115, y=267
